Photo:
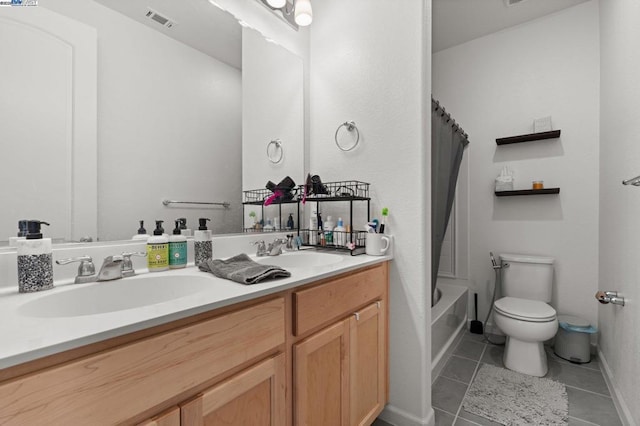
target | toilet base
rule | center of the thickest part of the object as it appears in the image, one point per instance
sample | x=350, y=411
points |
x=525, y=357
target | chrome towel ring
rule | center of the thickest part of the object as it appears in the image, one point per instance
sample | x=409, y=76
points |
x=351, y=126
x=277, y=143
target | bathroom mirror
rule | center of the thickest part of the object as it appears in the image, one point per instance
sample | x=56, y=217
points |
x=111, y=107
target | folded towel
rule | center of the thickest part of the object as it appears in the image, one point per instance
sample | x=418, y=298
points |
x=243, y=270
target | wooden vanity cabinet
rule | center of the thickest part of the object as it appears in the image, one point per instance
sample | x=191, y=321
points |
x=315, y=355
x=340, y=371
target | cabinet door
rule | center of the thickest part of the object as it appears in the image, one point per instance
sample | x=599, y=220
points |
x=254, y=397
x=168, y=418
x=367, y=363
x=321, y=378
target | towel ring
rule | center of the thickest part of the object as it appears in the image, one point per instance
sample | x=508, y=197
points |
x=351, y=126
x=278, y=144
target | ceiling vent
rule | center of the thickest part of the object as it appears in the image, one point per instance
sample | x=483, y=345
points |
x=509, y=3
x=160, y=19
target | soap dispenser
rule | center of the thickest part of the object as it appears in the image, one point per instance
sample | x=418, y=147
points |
x=22, y=233
x=202, y=242
x=158, y=250
x=35, y=266
x=142, y=233
x=177, y=248
x=183, y=227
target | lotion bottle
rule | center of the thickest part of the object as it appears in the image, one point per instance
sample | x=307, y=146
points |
x=177, y=248
x=183, y=227
x=158, y=250
x=329, y=224
x=142, y=233
x=35, y=265
x=340, y=234
x=313, y=228
x=202, y=242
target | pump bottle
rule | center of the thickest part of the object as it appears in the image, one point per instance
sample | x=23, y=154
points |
x=158, y=250
x=142, y=233
x=177, y=248
x=183, y=227
x=202, y=242
x=35, y=266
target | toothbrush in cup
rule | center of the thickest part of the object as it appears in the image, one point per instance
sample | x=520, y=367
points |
x=385, y=213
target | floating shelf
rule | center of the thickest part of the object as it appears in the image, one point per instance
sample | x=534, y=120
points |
x=553, y=134
x=527, y=192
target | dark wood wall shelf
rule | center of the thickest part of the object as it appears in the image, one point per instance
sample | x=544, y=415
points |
x=527, y=192
x=553, y=134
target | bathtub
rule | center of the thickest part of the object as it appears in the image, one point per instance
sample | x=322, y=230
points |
x=448, y=320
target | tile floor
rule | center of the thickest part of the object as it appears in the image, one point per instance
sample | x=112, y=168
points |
x=589, y=400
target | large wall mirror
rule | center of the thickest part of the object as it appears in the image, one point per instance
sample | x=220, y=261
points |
x=109, y=107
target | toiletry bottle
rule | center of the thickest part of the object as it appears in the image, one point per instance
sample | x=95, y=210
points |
x=276, y=223
x=203, y=244
x=268, y=227
x=329, y=224
x=183, y=227
x=158, y=250
x=290, y=224
x=22, y=233
x=340, y=234
x=35, y=266
x=313, y=228
x=177, y=248
x=142, y=233
x=319, y=233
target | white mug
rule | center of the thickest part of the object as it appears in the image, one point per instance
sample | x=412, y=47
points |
x=377, y=244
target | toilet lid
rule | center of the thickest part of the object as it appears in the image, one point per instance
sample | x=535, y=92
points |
x=524, y=309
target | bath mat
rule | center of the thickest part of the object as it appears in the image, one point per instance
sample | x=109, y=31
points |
x=511, y=398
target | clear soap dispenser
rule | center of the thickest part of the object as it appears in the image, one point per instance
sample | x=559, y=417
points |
x=35, y=266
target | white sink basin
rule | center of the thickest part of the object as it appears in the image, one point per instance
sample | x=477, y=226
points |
x=301, y=259
x=117, y=295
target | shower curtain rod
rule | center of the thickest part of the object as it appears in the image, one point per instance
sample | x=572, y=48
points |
x=445, y=114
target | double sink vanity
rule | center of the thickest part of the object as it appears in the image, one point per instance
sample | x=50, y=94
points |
x=183, y=347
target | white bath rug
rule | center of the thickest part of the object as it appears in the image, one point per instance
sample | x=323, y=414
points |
x=511, y=398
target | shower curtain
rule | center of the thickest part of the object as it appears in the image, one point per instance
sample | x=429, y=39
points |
x=448, y=141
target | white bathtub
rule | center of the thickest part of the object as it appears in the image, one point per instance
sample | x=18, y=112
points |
x=448, y=320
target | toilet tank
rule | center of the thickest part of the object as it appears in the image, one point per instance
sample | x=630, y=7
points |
x=527, y=277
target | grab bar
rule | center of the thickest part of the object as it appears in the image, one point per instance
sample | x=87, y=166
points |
x=224, y=204
x=633, y=181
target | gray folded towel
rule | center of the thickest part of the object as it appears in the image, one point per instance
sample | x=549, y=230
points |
x=243, y=270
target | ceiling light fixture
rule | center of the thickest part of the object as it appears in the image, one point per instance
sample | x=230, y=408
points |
x=303, y=12
x=297, y=13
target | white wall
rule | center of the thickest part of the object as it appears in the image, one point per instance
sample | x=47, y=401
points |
x=169, y=126
x=366, y=66
x=620, y=205
x=495, y=86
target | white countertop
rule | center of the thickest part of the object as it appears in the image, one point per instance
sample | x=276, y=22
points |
x=25, y=338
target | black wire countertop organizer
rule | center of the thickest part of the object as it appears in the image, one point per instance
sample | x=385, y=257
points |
x=349, y=191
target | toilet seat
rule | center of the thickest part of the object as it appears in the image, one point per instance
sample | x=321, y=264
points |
x=525, y=309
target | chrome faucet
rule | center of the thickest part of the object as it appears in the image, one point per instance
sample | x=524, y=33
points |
x=86, y=270
x=275, y=248
x=111, y=268
x=262, y=249
x=127, y=264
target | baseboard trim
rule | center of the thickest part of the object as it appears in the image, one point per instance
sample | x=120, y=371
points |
x=618, y=400
x=398, y=417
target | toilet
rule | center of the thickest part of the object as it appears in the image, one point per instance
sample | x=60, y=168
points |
x=524, y=314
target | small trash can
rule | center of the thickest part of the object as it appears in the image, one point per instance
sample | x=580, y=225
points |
x=573, y=339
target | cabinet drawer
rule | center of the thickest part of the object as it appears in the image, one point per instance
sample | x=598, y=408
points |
x=116, y=385
x=327, y=302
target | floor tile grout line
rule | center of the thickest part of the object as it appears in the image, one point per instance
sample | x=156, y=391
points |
x=453, y=380
x=587, y=390
x=473, y=376
x=584, y=421
x=463, y=357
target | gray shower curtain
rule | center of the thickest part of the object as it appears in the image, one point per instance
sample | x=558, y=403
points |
x=448, y=141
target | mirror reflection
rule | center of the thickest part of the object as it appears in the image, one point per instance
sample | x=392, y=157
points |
x=141, y=102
